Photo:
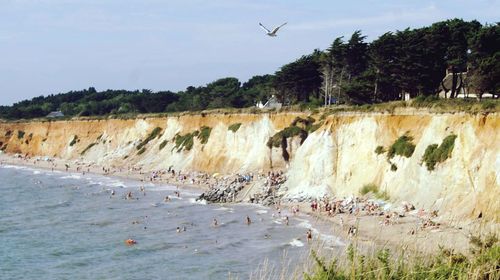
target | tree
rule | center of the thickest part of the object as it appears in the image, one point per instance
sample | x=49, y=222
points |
x=485, y=60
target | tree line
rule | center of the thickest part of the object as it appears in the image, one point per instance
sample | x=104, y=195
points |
x=352, y=71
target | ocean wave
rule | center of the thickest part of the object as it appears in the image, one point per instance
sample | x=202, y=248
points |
x=13, y=166
x=193, y=200
x=224, y=209
x=260, y=212
x=296, y=243
x=72, y=176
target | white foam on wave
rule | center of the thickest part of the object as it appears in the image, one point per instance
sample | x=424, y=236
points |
x=260, y=212
x=224, y=209
x=72, y=176
x=329, y=239
x=36, y=172
x=279, y=222
x=194, y=201
x=296, y=243
x=13, y=166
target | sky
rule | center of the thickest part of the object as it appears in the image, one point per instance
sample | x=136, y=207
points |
x=54, y=46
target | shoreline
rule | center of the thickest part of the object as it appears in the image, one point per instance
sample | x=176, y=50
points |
x=404, y=233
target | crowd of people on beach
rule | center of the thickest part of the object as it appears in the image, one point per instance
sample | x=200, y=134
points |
x=329, y=207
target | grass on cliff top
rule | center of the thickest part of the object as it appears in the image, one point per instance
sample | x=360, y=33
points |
x=435, y=154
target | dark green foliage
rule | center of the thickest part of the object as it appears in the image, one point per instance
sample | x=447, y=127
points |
x=315, y=127
x=297, y=81
x=287, y=132
x=88, y=148
x=163, y=144
x=141, y=151
x=234, y=127
x=435, y=154
x=20, y=134
x=380, y=150
x=299, y=127
x=204, y=134
x=184, y=142
x=73, y=142
x=394, y=167
x=154, y=133
x=403, y=146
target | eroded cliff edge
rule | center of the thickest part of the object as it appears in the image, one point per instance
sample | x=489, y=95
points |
x=335, y=154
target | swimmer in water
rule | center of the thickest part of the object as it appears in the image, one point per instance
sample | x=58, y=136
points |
x=178, y=229
x=167, y=199
x=112, y=192
x=248, y=220
x=215, y=223
x=309, y=235
x=129, y=195
x=286, y=220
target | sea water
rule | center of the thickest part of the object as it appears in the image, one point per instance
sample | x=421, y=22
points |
x=57, y=225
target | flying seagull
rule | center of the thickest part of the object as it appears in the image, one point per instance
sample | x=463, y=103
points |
x=269, y=32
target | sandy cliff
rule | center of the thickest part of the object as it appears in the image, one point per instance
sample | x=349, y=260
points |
x=337, y=158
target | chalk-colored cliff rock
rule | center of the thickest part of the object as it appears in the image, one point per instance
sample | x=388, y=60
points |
x=337, y=159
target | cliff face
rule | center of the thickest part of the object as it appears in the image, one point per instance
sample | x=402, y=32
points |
x=338, y=158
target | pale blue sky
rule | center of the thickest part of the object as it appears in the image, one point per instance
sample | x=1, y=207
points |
x=52, y=46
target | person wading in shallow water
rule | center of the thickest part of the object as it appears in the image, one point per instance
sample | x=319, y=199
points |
x=309, y=235
x=248, y=220
x=215, y=223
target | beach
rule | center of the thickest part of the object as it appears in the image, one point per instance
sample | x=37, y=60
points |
x=372, y=232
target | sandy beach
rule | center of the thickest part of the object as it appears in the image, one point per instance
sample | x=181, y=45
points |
x=408, y=232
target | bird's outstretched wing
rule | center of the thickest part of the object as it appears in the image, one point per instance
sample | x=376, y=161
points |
x=277, y=28
x=263, y=27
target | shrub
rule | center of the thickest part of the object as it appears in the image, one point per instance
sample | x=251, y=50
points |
x=88, y=148
x=403, y=146
x=481, y=264
x=141, y=151
x=204, y=134
x=435, y=154
x=184, y=142
x=369, y=188
x=73, y=142
x=315, y=127
x=163, y=144
x=394, y=167
x=155, y=133
x=20, y=134
x=380, y=150
x=234, y=127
